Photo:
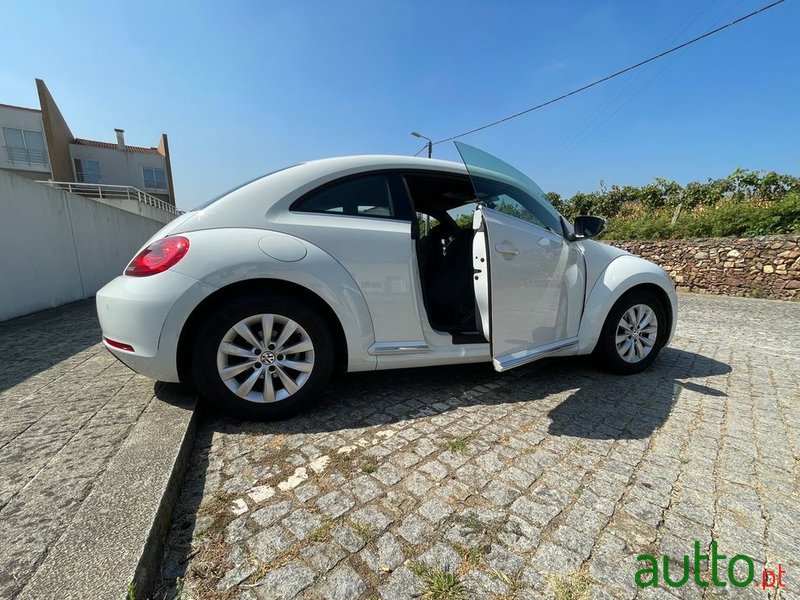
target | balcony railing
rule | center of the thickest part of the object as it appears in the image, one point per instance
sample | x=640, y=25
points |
x=24, y=156
x=113, y=192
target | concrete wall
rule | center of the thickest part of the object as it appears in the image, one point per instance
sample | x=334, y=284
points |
x=58, y=247
x=139, y=208
x=759, y=267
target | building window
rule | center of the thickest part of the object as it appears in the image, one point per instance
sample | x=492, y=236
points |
x=24, y=146
x=87, y=171
x=154, y=178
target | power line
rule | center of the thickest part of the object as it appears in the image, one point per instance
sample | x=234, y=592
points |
x=417, y=153
x=631, y=88
x=613, y=75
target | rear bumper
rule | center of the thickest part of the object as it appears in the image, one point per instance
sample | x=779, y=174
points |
x=148, y=314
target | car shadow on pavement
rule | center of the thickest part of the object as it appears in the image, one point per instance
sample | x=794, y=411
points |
x=34, y=343
x=599, y=405
x=633, y=407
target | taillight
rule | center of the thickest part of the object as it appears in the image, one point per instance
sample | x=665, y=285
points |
x=158, y=256
x=120, y=345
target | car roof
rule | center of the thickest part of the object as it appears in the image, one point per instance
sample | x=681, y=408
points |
x=275, y=191
x=381, y=161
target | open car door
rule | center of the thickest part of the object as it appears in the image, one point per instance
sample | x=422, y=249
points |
x=529, y=280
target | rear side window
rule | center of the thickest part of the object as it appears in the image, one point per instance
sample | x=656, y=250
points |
x=366, y=196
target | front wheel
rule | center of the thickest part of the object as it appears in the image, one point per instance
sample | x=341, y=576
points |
x=262, y=357
x=633, y=334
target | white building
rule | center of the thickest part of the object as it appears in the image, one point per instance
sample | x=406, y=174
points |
x=38, y=144
x=22, y=144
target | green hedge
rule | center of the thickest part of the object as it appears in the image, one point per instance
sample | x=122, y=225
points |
x=746, y=203
x=743, y=218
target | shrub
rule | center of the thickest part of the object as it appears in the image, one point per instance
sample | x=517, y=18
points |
x=732, y=217
x=663, y=193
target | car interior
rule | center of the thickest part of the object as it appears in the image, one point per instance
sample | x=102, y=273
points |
x=444, y=253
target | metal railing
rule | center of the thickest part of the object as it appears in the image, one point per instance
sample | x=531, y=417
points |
x=24, y=156
x=113, y=192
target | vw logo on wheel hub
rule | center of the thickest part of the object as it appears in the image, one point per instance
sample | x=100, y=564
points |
x=267, y=358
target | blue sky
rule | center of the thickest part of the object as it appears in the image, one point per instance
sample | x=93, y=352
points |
x=243, y=88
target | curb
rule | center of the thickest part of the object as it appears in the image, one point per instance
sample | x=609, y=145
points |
x=116, y=538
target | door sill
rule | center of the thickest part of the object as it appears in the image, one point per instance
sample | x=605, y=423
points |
x=384, y=348
x=517, y=359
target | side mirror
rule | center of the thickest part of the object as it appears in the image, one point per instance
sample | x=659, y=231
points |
x=587, y=226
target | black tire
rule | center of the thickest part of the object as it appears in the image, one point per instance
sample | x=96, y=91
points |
x=606, y=348
x=209, y=382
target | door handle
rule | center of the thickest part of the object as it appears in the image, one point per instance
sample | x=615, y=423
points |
x=506, y=249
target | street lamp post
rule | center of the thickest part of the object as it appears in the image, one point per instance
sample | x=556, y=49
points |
x=430, y=142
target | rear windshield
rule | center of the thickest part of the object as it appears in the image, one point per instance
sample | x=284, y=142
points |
x=208, y=203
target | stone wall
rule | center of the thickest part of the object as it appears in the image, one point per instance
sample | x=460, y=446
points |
x=760, y=267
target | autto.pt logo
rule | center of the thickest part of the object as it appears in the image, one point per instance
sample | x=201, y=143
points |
x=692, y=569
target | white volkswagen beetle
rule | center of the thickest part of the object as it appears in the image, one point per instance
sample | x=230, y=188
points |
x=365, y=263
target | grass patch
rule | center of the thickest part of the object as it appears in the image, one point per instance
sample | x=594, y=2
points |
x=458, y=444
x=369, y=466
x=365, y=531
x=261, y=570
x=343, y=460
x=321, y=533
x=439, y=585
x=209, y=563
x=511, y=582
x=471, y=524
x=471, y=556
x=570, y=587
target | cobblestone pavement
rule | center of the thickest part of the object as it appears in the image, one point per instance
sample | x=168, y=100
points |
x=543, y=482
x=66, y=405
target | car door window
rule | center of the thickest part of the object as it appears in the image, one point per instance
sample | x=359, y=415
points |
x=506, y=203
x=506, y=189
x=366, y=196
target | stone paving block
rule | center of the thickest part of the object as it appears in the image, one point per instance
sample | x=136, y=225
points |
x=343, y=584
x=565, y=468
x=386, y=556
x=435, y=470
x=348, y=538
x=302, y=522
x=323, y=556
x=435, y=510
x=414, y=529
x=371, y=518
x=267, y=544
x=402, y=585
x=364, y=488
x=285, y=582
x=271, y=513
x=335, y=504
x=442, y=557
x=417, y=484
x=387, y=474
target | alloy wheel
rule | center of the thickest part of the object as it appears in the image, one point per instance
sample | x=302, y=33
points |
x=265, y=358
x=637, y=333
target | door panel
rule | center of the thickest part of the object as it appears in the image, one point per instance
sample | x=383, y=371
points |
x=535, y=280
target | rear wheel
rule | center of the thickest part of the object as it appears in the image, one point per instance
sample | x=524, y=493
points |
x=633, y=334
x=262, y=357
